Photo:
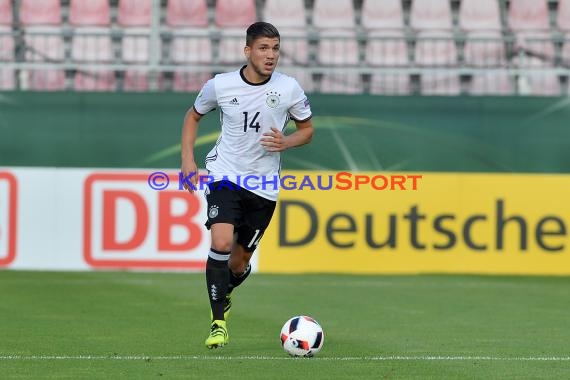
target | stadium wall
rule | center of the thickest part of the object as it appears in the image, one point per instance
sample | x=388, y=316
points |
x=74, y=191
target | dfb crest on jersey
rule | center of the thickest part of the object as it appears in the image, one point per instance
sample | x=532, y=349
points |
x=272, y=99
x=213, y=212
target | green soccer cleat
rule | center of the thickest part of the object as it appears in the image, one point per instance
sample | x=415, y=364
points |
x=218, y=335
x=227, y=307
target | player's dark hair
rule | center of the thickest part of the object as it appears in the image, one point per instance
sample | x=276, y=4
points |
x=260, y=29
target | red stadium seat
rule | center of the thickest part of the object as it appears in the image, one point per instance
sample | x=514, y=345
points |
x=40, y=12
x=7, y=80
x=390, y=84
x=294, y=47
x=439, y=83
x=536, y=43
x=563, y=18
x=539, y=83
x=484, y=49
x=303, y=77
x=189, y=82
x=6, y=44
x=430, y=14
x=492, y=83
x=386, y=14
x=435, y=48
x=190, y=45
x=285, y=13
x=528, y=15
x=479, y=15
x=333, y=14
x=135, y=12
x=5, y=12
x=135, y=45
x=341, y=83
x=44, y=80
x=338, y=47
x=136, y=80
x=235, y=13
x=231, y=46
x=92, y=45
x=387, y=48
x=44, y=44
x=184, y=13
x=89, y=13
x=95, y=80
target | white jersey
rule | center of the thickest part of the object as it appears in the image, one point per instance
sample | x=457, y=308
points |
x=248, y=110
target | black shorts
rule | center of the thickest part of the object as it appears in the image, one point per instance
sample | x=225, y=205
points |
x=248, y=212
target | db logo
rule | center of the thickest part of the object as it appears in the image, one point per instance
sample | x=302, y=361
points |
x=129, y=225
x=8, y=204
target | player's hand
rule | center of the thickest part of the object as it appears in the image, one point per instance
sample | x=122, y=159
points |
x=274, y=141
x=189, y=168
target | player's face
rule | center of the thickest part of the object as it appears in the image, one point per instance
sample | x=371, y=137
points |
x=263, y=55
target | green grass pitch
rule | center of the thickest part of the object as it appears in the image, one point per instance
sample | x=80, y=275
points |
x=112, y=325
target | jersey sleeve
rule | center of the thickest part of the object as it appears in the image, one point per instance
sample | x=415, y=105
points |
x=206, y=100
x=300, y=109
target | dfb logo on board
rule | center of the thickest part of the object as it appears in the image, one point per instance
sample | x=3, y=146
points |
x=129, y=225
x=8, y=213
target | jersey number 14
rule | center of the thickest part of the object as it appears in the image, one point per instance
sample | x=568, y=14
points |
x=252, y=124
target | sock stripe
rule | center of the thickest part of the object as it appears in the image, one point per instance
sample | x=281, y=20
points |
x=219, y=256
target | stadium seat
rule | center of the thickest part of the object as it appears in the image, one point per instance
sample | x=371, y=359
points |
x=190, y=45
x=565, y=53
x=336, y=14
x=386, y=14
x=92, y=44
x=136, y=80
x=189, y=82
x=235, y=13
x=232, y=43
x=484, y=49
x=430, y=14
x=136, y=45
x=184, y=13
x=539, y=83
x=6, y=44
x=294, y=47
x=390, y=84
x=134, y=13
x=563, y=15
x=285, y=13
x=40, y=12
x=535, y=43
x=43, y=80
x=386, y=48
x=5, y=12
x=337, y=47
x=89, y=13
x=7, y=80
x=479, y=15
x=528, y=15
x=439, y=83
x=95, y=80
x=44, y=44
x=341, y=83
x=303, y=77
x=435, y=48
x=492, y=83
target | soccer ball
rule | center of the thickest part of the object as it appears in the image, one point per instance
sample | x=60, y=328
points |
x=302, y=336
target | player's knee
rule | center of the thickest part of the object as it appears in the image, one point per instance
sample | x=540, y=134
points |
x=222, y=243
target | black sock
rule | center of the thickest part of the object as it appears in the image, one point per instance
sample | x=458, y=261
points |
x=236, y=280
x=217, y=280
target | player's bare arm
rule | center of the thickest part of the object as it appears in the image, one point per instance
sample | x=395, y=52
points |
x=276, y=141
x=189, y=133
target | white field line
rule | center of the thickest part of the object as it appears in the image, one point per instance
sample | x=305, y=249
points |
x=325, y=358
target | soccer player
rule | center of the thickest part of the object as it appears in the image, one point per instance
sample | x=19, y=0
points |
x=255, y=103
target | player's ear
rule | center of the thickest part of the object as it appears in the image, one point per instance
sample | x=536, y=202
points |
x=247, y=51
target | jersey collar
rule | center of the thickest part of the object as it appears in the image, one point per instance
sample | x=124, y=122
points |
x=250, y=83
